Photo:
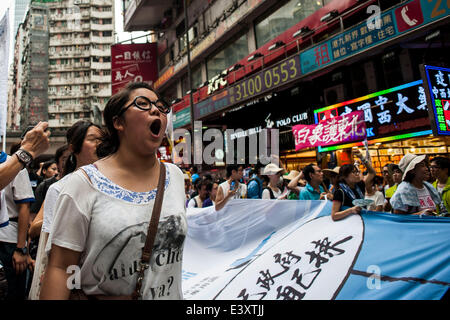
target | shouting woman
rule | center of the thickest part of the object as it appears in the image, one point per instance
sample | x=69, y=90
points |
x=102, y=218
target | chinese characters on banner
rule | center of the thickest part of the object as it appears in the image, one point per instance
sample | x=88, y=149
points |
x=133, y=63
x=337, y=130
x=437, y=80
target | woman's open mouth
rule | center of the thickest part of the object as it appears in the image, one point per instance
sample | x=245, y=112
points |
x=155, y=127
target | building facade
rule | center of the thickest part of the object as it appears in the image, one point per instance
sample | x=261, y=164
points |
x=81, y=35
x=274, y=64
x=77, y=63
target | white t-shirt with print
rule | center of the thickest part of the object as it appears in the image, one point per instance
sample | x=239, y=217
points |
x=17, y=191
x=108, y=225
x=3, y=211
x=426, y=202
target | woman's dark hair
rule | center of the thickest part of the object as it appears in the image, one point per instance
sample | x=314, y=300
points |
x=75, y=137
x=345, y=170
x=443, y=163
x=308, y=170
x=60, y=151
x=46, y=165
x=110, y=139
x=409, y=176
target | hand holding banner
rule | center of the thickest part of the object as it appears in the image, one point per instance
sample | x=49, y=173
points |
x=337, y=130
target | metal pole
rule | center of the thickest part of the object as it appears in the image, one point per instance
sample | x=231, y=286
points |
x=191, y=98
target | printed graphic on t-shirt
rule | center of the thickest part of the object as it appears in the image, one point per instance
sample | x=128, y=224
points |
x=426, y=202
x=118, y=262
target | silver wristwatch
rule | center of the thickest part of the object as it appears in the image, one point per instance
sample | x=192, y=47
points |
x=24, y=157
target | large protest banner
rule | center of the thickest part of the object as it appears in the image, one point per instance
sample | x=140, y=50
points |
x=278, y=250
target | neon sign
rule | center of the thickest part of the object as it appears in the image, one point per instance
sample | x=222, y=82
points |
x=392, y=114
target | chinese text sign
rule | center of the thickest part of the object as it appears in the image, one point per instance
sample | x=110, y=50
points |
x=437, y=82
x=337, y=130
x=133, y=63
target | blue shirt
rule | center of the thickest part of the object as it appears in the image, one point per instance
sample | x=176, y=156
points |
x=308, y=193
x=194, y=177
x=255, y=188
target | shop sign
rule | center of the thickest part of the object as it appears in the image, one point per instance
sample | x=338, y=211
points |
x=403, y=18
x=336, y=130
x=217, y=82
x=286, y=121
x=164, y=78
x=211, y=104
x=266, y=80
x=390, y=113
x=182, y=118
x=133, y=63
x=437, y=82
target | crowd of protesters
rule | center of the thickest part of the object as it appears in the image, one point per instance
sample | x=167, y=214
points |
x=416, y=185
x=88, y=205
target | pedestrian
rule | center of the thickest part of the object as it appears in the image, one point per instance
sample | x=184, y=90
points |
x=388, y=180
x=16, y=199
x=291, y=195
x=397, y=178
x=83, y=138
x=102, y=215
x=332, y=175
x=440, y=167
x=211, y=201
x=273, y=172
x=231, y=188
x=297, y=184
x=415, y=195
x=187, y=187
x=314, y=189
x=61, y=155
x=373, y=193
x=351, y=186
x=194, y=174
x=255, y=184
x=204, y=188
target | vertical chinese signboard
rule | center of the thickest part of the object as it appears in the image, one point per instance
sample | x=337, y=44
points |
x=437, y=84
x=391, y=114
x=133, y=63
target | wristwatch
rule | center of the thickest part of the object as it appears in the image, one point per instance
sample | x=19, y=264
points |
x=23, y=251
x=24, y=157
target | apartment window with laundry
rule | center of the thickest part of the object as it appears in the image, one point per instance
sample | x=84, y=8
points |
x=228, y=56
x=278, y=21
x=182, y=37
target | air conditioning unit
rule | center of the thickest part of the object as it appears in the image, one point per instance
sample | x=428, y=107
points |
x=76, y=1
x=334, y=94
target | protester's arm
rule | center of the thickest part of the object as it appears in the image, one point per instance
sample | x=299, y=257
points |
x=35, y=142
x=20, y=260
x=336, y=214
x=54, y=286
x=294, y=182
x=221, y=199
x=371, y=173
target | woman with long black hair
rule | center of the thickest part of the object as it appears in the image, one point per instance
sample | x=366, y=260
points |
x=82, y=139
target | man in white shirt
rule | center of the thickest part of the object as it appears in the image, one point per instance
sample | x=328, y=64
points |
x=231, y=188
x=13, y=236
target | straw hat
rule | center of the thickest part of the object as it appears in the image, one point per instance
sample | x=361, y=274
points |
x=331, y=171
x=409, y=161
x=271, y=169
x=293, y=174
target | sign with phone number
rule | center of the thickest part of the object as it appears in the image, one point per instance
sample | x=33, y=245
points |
x=266, y=80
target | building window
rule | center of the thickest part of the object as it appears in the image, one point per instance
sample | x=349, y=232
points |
x=228, y=56
x=282, y=19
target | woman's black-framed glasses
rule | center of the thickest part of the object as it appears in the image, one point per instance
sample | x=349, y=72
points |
x=145, y=104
